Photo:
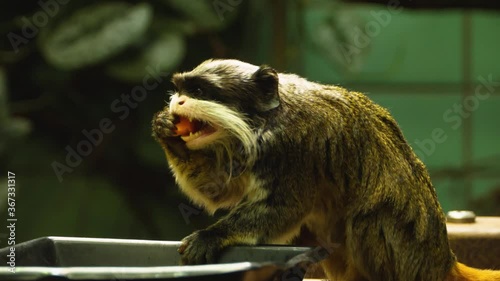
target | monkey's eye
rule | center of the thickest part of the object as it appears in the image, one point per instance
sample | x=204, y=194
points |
x=199, y=93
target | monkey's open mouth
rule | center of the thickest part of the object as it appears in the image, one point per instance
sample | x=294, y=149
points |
x=190, y=129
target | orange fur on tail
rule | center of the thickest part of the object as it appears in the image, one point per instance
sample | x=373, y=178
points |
x=461, y=272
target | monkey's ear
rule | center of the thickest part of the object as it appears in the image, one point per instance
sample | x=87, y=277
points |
x=267, y=81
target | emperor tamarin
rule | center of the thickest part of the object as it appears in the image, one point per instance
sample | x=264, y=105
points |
x=283, y=154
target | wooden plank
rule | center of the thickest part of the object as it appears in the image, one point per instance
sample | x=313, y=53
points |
x=475, y=244
x=483, y=227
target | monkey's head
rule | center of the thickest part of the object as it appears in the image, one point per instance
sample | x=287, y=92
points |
x=220, y=102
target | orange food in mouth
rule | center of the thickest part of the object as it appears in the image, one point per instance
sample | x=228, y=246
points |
x=184, y=126
x=190, y=129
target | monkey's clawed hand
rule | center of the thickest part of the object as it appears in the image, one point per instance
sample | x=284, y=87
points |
x=201, y=247
x=163, y=125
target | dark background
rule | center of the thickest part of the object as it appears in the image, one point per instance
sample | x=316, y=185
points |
x=68, y=66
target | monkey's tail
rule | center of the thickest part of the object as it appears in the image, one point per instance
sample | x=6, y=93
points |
x=461, y=272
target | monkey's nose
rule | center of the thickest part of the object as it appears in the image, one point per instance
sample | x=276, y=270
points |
x=176, y=101
x=181, y=100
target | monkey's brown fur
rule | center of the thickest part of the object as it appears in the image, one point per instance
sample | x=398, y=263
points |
x=288, y=153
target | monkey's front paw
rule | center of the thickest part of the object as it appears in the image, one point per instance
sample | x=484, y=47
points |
x=163, y=125
x=201, y=247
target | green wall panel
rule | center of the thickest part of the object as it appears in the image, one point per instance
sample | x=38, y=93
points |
x=407, y=47
x=486, y=45
x=486, y=130
x=421, y=49
x=421, y=119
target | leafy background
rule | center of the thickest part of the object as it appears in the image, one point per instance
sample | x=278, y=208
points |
x=65, y=76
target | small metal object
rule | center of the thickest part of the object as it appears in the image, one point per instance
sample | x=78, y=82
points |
x=462, y=216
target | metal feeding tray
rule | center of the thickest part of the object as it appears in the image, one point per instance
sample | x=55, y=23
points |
x=69, y=258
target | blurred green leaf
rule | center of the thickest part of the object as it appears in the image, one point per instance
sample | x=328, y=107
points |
x=10, y=128
x=165, y=53
x=204, y=13
x=162, y=24
x=3, y=97
x=337, y=38
x=95, y=33
x=17, y=127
